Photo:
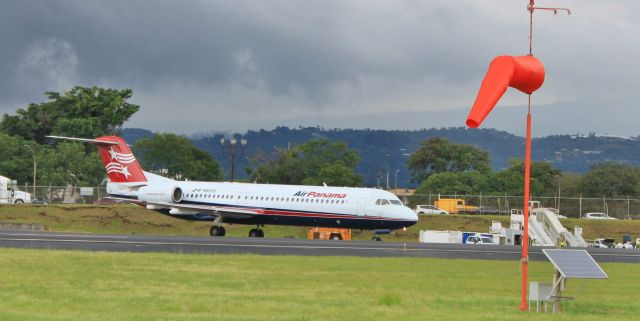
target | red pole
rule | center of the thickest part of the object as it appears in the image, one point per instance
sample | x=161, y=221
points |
x=525, y=237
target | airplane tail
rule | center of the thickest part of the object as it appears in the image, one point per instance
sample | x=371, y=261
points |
x=118, y=160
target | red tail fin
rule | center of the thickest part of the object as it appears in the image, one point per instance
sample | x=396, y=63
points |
x=118, y=160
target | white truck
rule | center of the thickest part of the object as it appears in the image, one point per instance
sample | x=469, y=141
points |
x=9, y=193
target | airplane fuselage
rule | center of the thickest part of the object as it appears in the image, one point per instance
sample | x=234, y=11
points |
x=270, y=204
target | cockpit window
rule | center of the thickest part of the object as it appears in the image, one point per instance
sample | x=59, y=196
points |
x=395, y=202
x=381, y=201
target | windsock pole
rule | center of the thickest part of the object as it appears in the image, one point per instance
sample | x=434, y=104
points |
x=525, y=73
x=525, y=234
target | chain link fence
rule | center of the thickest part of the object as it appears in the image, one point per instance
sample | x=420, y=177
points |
x=569, y=206
x=574, y=207
x=56, y=194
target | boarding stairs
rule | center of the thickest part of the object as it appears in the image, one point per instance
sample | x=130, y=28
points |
x=554, y=229
x=537, y=233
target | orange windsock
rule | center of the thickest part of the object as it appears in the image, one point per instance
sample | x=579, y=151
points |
x=525, y=73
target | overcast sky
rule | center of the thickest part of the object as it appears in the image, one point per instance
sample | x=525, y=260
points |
x=199, y=66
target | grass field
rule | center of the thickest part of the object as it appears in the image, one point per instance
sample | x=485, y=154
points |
x=76, y=285
x=129, y=219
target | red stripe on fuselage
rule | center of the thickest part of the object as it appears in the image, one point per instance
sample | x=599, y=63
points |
x=261, y=211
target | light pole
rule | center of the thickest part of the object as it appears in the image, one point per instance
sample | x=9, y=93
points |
x=387, y=158
x=33, y=194
x=396, y=181
x=234, y=150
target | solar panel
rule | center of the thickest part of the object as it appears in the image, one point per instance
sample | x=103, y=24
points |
x=577, y=264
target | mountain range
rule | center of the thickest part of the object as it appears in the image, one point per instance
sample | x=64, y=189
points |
x=569, y=153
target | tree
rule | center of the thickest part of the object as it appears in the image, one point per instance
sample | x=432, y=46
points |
x=312, y=163
x=511, y=180
x=16, y=161
x=469, y=183
x=67, y=163
x=438, y=155
x=80, y=112
x=611, y=179
x=175, y=156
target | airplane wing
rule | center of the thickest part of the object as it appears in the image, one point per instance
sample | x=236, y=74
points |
x=191, y=209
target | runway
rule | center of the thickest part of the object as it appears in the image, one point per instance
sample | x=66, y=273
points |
x=273, y=246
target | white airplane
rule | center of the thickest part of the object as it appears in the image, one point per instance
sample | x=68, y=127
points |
x=245, y=203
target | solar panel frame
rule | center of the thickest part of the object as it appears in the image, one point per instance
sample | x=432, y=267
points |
x=575, y=264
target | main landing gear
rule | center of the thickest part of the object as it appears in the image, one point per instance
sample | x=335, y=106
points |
x=256, y=232
x=217, y=231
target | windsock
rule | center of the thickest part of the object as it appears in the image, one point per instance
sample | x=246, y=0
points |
x=525, y=73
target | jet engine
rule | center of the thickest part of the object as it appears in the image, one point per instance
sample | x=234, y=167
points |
x=161, y=194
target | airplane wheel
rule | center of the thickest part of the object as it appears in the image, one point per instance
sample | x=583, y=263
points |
x=217, y=231
x=254, y=233
x=376, y=238
x=260, y=233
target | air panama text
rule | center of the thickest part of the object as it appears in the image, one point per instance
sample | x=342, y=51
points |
x=324, y=195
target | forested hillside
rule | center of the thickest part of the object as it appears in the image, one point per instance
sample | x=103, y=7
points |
x=567, y=153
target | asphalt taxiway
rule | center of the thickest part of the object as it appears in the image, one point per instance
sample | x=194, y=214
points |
x=274, y=246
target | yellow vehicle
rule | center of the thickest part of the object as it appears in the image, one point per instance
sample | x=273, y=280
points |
x=454, y=205
x=329, y=233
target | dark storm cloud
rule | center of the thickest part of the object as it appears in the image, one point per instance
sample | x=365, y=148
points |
x=265, y=63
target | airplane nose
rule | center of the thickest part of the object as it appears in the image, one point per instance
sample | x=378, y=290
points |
x=411, y=215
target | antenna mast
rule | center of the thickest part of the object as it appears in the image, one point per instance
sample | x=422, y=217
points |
x=527, y=164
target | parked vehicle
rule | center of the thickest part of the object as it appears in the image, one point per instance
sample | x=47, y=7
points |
x=329, y=233
x=429, y=209
x=626, y=245
x=9, y=193
x=455, y=205
x=491, y=210
x=598, y=216
x=479, y=240
x=604, y=243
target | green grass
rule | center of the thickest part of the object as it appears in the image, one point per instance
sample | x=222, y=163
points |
x=76, y=285
x=129, y=219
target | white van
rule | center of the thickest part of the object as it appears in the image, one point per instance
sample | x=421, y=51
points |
x=9, y=193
